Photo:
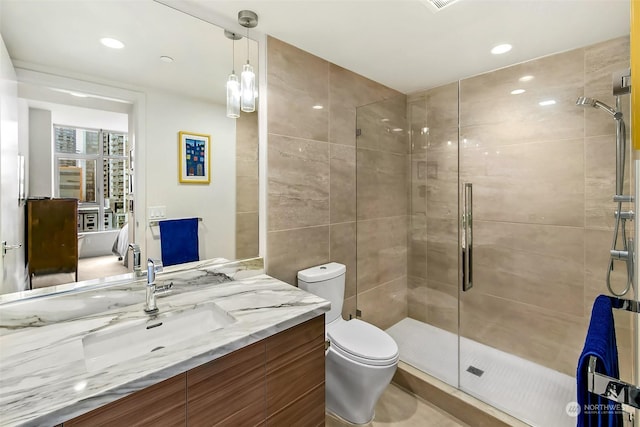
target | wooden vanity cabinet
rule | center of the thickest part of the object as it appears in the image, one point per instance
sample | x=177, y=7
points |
x=278, y=381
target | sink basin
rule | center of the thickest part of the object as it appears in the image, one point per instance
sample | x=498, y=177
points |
x=136, y=338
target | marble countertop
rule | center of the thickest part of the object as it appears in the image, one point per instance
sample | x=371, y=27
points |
x=44, y=379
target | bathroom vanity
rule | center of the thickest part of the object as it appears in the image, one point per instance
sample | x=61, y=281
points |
x=230, y=346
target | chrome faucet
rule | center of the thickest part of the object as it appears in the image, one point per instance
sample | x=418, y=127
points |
x=154, y=266
x=137, y=266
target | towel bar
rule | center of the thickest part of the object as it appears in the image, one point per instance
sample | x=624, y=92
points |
x=155, y=223
x=611, y=388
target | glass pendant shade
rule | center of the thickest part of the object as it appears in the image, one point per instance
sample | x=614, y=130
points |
x=233, y=97
x=248, y=79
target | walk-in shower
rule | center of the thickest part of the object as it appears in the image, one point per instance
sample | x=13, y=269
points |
x=542, y=175
x=625, y=251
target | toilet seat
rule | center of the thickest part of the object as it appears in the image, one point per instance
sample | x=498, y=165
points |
x=362, y=342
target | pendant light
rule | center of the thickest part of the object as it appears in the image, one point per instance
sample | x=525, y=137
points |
x=233, y=84
x=248, y=19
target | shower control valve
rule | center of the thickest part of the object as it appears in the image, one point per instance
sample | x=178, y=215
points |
x=624, y=215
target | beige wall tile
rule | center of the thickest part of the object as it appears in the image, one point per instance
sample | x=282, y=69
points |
x=502, y=121
x=539, y=183
x=417, y=298
x=348, y=90
x=290, y=251
x=442, y=107
x=386, y=304
x=382, y=184
x=598, y=243
x=384, y=126
x=442, y=305
x=297, y=82
x=534, y=264
x=343, y=250
x=524, y=330
x=246, y=235
x=298, y=174
x=382, y=251
x=600, y=180
x=603, y=59
x=343, y=183
x=246, y=194
x=349, y=308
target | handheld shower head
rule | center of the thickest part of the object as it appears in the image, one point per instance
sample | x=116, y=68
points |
x=591, y=102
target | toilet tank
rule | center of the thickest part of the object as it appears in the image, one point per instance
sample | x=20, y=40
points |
x=325, y=281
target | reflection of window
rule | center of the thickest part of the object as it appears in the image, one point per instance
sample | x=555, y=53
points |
x=102, y=191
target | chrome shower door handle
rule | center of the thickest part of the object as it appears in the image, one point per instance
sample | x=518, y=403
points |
x=467, y=237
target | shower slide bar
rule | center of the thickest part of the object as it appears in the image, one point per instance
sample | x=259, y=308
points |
x=155, y=223
x=612, y=388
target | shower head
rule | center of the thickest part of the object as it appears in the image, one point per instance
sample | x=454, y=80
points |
x=597, y=104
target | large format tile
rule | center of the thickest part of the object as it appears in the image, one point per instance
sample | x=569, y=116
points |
x=398, y=408
x=298, y=183
x=386, y=304
x=535, y=264
x=293, y=250
x=541, y=183
x=442, y=106
x=546, y=337
x=297, y=81
x=383, y=126
x=382, y=251
x=343, y=183
x=348, y=90
x=246, y=194
x=442, y=305
x=247, y=235
x=603, y=59
x=343, y=250
x=600, y=180
x=382, y=185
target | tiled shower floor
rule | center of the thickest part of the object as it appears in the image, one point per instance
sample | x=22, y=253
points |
x=533, y=393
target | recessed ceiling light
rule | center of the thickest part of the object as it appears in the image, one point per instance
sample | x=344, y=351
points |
x=525, y=78
x=501, y=48
x=397, y=129
x=166, y=59
x=517, y=91
x=547, y=102
x=112, y=43
x=317, y=107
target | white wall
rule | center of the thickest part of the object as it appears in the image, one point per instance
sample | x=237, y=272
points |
x=215, y=203
x=40, y=162
x=12, y=272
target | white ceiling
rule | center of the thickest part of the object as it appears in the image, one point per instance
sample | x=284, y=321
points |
x=62, y=36
x=403, y=44
x=408, y=46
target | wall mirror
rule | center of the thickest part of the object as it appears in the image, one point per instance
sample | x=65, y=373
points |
x=101, y=124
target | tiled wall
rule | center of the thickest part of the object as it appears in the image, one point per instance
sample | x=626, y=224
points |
x=311, y=216
x=247, y=185
x=382, y=158
x=543, y=182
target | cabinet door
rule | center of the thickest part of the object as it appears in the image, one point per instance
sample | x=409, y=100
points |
x=228, y=391
x=161, y=405
x=295, y=374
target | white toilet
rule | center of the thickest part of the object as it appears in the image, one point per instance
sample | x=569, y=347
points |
x=361, y=358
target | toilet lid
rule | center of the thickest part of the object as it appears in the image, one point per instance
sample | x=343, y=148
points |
x=363, y=340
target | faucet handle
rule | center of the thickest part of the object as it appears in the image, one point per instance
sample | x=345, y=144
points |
x=157, y=264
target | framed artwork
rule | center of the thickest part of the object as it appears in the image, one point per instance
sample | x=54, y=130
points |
x=194, y=158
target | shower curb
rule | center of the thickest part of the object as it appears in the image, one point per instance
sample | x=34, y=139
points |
x=464, y=407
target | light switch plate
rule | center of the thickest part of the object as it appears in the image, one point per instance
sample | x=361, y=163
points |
x=157, y=212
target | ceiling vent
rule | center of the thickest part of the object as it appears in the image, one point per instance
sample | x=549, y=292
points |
x=438, y=5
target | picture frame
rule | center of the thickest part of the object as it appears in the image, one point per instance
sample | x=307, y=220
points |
x=194, y=153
